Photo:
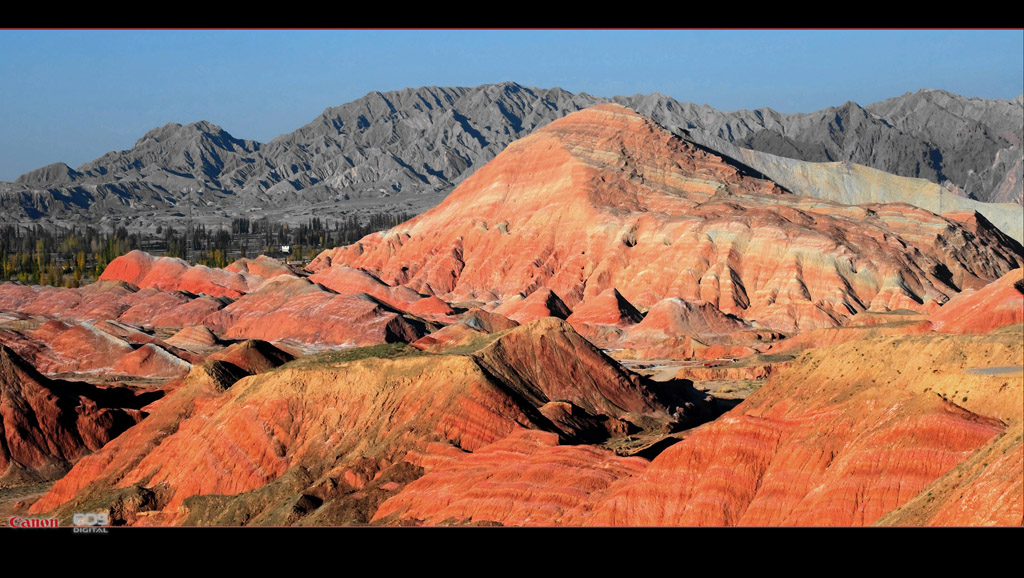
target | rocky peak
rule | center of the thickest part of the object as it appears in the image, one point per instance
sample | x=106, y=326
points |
x=52, y=175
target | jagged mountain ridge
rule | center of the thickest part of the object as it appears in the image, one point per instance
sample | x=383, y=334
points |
x=404, y=146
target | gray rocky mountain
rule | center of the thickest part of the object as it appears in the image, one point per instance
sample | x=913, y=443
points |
x=406, y=150
x=853, y=184
x=980, y=140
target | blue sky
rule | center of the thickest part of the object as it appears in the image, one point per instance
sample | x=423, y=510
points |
x=72, y=96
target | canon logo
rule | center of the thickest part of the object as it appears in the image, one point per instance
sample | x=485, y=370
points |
x=16, y=522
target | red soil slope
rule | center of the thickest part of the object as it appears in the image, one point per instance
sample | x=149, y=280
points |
x=168, y=274
x=997, y=304
x=524, y=479
x=674, y=327
x=291, y=308
x=47, y=425
x=985, y=490
x=840, y=437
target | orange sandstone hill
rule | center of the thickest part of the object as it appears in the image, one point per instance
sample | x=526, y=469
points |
x=169, y=274
x=604, y=198
x=95, y=477
x=325, y=439
x=985, y=490
x=95, y=350
x=841, y=437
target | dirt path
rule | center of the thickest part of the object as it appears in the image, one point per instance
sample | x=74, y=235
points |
x=1000, y=370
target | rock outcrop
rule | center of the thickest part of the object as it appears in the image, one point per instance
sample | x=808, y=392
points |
x=842, y=436
x=449, y=371
x=167, y=274
x=58, y=347
x=48, y=425
x=303, y=311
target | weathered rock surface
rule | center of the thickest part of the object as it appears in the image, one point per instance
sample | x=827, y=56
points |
x=47, y=425
x=110, y=326
x=674, y=327
x=473, y=327
x=592, y=219
x=337, y=431
x=546, y=360
x=525, y=479
x=603, y=318
x=985, y=490
x=986, y=134
x=159, y=308
x=59, y=347
x=730, y=371
x=843, y=436
x=108, y=300
x=327, y=420
x=454, y=335
x=152, y=361
x=607, y=308
x=853, y=184
x=99, y=301
x=97, y=475
x=79, y=347
x=300, y=310
x=168, y=274
x=194, y=338
x=538, y=305
x=349, y=281
x=253, y=356
x=488, y=321
x=262, y=266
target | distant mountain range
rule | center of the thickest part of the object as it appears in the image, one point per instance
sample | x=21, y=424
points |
x=406, y=150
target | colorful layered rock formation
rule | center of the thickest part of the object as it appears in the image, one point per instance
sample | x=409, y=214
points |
x=59, y=347
x=985, y=490
x=169, y=274
x=599, y=231
x=340, y=426
x=604, y=198
x=525, y=479
x=677, y=328
x=842, y=436
x=47, y=425
x=300, y=310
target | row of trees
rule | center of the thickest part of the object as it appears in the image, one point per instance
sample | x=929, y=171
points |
x=317, y=232
x=61, y=256
x=72, y=256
